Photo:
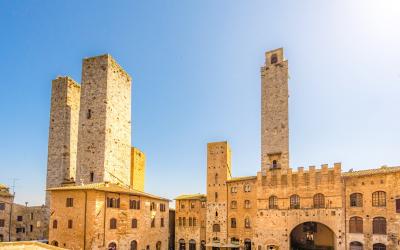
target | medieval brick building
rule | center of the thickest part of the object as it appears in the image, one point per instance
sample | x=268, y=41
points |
x=282, y=208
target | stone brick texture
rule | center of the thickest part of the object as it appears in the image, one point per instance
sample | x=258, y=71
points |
x=91, y=221
x=271, y=227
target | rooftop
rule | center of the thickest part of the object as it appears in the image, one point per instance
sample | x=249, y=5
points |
x=242, y=178
x=381, y=170
x=191, y=197
x=31, y=245
x=107, y=187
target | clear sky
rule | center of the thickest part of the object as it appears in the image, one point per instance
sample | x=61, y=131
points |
x=196, y=79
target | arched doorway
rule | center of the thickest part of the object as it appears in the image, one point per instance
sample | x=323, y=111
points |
x=54, y=243
x=112, y=246
x=133, y=245
x=312, y=236
x=182, y=244
x=192, y=244
x=203, y=245
x=158, y=245
x=247, y=244
x=355, y=245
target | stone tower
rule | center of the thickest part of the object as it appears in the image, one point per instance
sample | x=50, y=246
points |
x=63, y=132
x=138, y=169
x=218, y=172
x=104, y=143
x=274, y=112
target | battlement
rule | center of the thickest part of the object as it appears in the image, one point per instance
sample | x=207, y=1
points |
x=303, y=177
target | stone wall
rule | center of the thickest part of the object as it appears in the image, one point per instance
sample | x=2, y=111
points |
x=104, y=143
x=138, y=169
x=190, y=208
x=274, y=111
x=218, y=172
x=63, y=132
x=91, y=221
x=366, y=184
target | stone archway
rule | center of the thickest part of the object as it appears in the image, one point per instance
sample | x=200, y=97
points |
x=312, y=236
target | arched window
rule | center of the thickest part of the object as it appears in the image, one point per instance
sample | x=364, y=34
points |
x=247, y=222
x=379, y=246
x=274, y=59
x=274, y=164
x=356, y=225
x=54, y=243
x=182, y=244
x=55, y=223
x=319, y=201
x=356, y=200
x=233, y=222
x=233, y=204
x=112, y=246
x=134, y=223
x=247, y=204
x=247, y=188
x=192, y=244
x=379, y=199
x=355, y=245
x=203, y=245
x=158, y=245
x=216, y=228
x=379, y=225
x=133, y=245
x=113, y=223
x=273, y=202
x=294, y=201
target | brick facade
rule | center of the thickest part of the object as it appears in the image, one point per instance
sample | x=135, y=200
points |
x=282, y=208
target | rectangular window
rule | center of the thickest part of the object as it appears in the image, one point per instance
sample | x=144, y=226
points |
x=190, y=221
x=19, y=218
x=162, y=207
x=2, y=223
x=69, y=223
x=153, y=222
x=134, y=223
x=194, y=222
x=70, y=202
x=162, y=222
x=20, y=230
x=192, y=205
x=2, y=206
x=91, y=176
x=134, y=204
x=180, y=221
x=398, y=206
x=31, y=216
x=31, y=228
x=184, y=221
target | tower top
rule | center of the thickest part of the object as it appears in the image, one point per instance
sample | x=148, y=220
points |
x=274, y=56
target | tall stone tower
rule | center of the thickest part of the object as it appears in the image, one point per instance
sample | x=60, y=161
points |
x=104, y=143
x=218, y=172
x=138, y=169
x=63, y=132
x=274, y=112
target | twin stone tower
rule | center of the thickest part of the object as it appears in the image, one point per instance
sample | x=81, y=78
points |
x=90, y=125
x=90, y=129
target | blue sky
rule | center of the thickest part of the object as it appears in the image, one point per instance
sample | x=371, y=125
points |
x=196, y=79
